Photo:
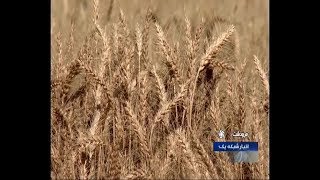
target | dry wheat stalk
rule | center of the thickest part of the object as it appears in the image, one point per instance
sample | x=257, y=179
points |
x=162, y=91
x=115, y=41
x=188, y=156
x=145, y=37
x=162, y=114
x=215, y=48
x=210, y=54
x=166, y=107
x=144, y=89
x=90, y=72
x=221, y=64
x=137, y=174
x=95, y=11
x=199, y=32
x=205, y=158
x=96, y=79
x=61, y=71
x=167, y=51
x=241, y=93
x=101, y=72
x=125, y=32
x=231, y=94
x=236, y=44
x=262, y=74
x=139, y=131
x=189, y=40
x=59, y=49
x=70, y=45
x=114, y=166
x=139, y=46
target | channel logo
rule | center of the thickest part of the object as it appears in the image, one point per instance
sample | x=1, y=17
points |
x=238, y=151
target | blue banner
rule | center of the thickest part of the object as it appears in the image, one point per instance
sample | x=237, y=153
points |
x=235, y=146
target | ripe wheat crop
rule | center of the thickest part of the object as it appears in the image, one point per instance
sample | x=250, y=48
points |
x=139, y=93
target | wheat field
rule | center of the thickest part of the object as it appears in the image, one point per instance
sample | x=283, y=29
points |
x=141, y=88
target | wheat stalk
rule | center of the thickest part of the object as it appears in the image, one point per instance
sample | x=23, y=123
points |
x=139, y=131
x=160, y=86
x=262, y=74
x=137, y=174
x=215, y=47
x=210, y=54
x=115, y=166
x=188, y=156
x=167, y=51
x=205, y=158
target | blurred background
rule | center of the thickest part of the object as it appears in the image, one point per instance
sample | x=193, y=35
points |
x=250, y=18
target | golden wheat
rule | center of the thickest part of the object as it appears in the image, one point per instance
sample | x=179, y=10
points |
x=135, y=101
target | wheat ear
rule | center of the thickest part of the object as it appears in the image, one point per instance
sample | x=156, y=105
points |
x=262, y=74
x=210, y=54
